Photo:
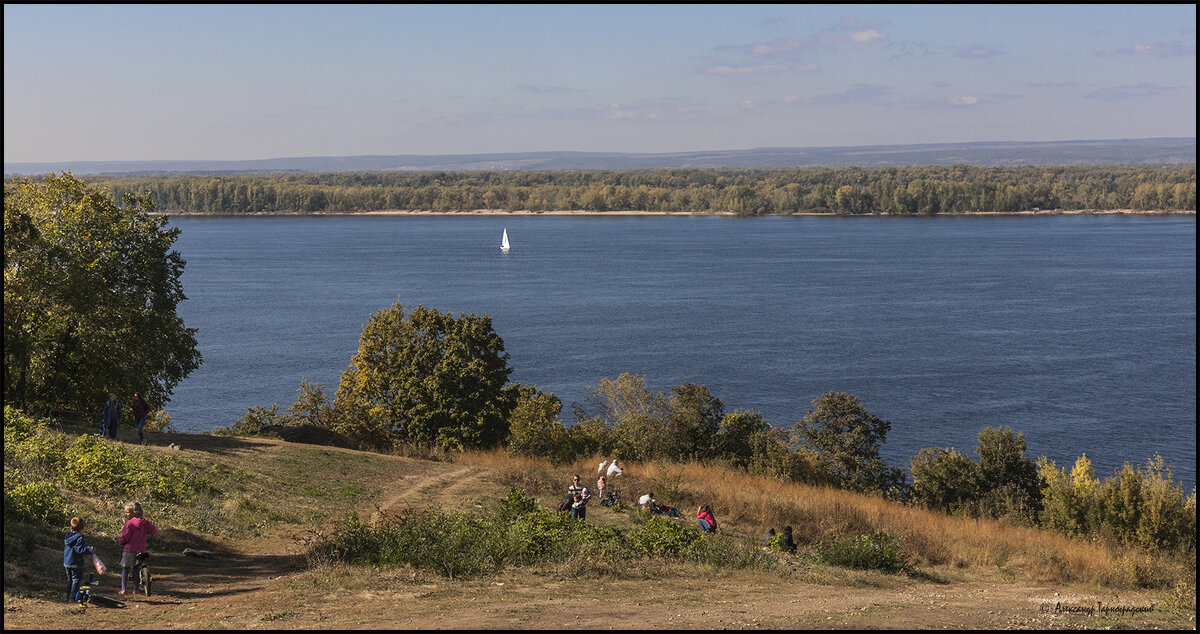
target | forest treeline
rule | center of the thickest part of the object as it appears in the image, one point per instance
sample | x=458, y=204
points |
x=751, y=192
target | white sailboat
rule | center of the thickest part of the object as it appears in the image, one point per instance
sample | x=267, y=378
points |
x=504, y=241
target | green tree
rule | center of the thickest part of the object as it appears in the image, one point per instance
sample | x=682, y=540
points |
x=426, y=377
x=534, y=426
x=846, y=440
x=91, y=289
x=636, y=417
x=943, y=478
x=736, y=439
x=693, y=421
x=1009, y=480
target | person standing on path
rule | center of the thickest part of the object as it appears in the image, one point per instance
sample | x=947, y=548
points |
x=75, y=553
x=112, y=417
x=141, y=409
x=133, y=538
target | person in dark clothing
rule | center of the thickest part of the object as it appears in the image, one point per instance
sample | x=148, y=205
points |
x=786, y=542
x=112, y=417
x=141, y=409
x=770, y=535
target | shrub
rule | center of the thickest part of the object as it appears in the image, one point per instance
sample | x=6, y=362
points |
x=254, y=421
x=90, y=463
x=1071, y=502
x=663, y=536
x=36, y=502
x=875, y=551
x=159, y=421
x=1144, y=507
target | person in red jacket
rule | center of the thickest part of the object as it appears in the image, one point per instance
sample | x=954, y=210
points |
x=133, y=538
x=708, y=523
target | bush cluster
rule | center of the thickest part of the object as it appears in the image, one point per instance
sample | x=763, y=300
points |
x=1140, y=506
x=38, y=462
x=875, y=551
x=1137, y=506
x=521, y=532
x=1004, y=483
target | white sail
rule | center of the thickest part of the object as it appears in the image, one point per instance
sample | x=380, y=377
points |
x=504, y=241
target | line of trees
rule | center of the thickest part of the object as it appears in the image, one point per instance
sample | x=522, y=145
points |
x=896, y=190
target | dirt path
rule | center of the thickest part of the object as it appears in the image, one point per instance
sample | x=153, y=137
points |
x=440, y=489
x=269, y=592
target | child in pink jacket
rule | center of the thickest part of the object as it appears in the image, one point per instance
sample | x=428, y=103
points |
x=133, y=538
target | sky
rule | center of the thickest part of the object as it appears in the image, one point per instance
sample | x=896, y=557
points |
x=240, y=82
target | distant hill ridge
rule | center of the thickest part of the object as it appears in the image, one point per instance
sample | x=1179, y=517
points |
x=1172, y=151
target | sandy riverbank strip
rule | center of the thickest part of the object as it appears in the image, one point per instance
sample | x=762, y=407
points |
x=579, y=212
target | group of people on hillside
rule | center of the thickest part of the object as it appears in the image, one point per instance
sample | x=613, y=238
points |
x=110, y=419
x=133, y=543
x=783, y=540
x=578, y=496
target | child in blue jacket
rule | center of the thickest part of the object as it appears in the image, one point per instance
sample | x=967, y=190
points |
x=75, y=554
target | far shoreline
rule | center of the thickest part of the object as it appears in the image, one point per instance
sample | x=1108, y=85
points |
x=580, y=212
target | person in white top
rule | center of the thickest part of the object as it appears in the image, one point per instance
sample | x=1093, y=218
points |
x=647, y=502
x=613, y=469
x=602, y=466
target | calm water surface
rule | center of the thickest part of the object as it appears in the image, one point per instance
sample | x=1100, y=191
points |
x=1079, y=331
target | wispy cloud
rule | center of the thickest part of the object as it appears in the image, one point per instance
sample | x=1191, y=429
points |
x=977, y=51
x=665, y=108
x=1160, y=49
x=857, y=94
x=869, y=35
x=1056, y=84
x=1138, y=91
x=849, y=30
x=910, y=49
x=721, y=69
x=959, y=101
x=545, y=90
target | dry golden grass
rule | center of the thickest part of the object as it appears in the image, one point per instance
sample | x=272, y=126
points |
x=751, y=504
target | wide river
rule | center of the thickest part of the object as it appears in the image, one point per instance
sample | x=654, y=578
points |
x=1079, y=331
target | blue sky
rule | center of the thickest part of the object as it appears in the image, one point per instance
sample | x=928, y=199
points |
x=105, y=83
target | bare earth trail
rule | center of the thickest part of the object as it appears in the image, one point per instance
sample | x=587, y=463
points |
x=268, y=585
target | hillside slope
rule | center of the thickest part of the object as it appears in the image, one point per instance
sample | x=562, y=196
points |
x=278, y=493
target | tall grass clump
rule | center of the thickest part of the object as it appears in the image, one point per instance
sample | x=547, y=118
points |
x=875, y=551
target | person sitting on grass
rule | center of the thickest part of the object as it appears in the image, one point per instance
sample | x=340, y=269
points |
x=646, y=503
x=75, y=553
x=770, y=536
x=785, y=540
x=708, y=523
